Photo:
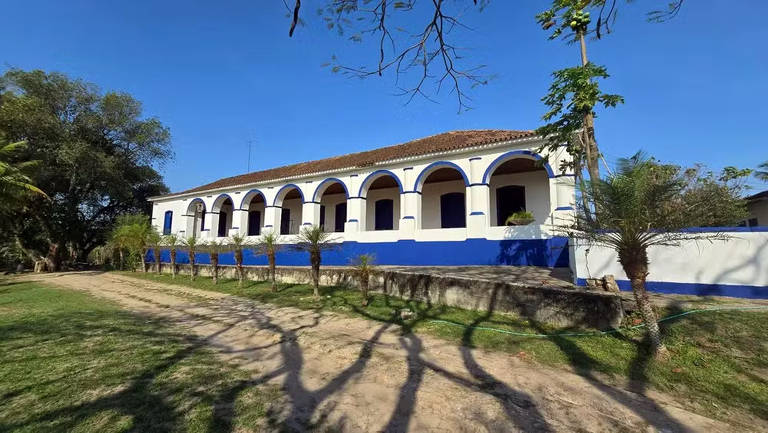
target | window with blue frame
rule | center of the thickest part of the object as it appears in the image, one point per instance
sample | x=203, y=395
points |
x=167, y=222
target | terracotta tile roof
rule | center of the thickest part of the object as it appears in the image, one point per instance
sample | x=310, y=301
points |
x=444, y=142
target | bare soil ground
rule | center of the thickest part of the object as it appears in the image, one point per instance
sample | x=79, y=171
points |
x=348, y=374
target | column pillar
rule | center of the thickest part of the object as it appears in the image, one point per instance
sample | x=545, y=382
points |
x=239, y=222
x=565, y=193
x=479, y=201
x=410, y=206
x=355, y=215
x=310, y=214
x=272, y=218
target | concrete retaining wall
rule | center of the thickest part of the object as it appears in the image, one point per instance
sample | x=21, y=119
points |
x=562, y=307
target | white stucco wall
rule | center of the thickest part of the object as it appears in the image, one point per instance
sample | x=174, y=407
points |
x=742, y=260
x=416, y=216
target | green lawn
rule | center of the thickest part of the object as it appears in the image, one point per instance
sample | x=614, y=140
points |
x=71, y=362
x=719, y=359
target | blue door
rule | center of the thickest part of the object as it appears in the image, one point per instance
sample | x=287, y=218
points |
x=452, y=210
x=384, y=215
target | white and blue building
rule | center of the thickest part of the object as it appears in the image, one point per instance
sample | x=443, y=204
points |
x=439, y=200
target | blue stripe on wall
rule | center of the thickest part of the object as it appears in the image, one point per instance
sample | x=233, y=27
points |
x=700, y=289
x=520, y=252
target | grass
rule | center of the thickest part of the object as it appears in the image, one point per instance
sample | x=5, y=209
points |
x=72, y=362
x=719, y=360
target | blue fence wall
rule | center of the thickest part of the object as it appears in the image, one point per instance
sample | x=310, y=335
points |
x=521, y=252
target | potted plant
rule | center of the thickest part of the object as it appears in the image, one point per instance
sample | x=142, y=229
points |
x=520, y=218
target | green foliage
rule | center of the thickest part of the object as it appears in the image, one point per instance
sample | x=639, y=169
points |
x=269, y=244
x=97, y=159
x=762, y=173
x=573, y=94
x=648, y=203
x=519, y=216
x=16, y=185
x=132, y=234
x=314, y=240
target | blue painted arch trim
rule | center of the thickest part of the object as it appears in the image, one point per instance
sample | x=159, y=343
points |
x=436, y=165
x=189, y=206
x=286, y=188
x=315, y=198
x=222, y=201
x=375, y=175
x=510, y=155
x=250, y=195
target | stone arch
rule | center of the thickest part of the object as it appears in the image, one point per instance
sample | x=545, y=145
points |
x=431, y=168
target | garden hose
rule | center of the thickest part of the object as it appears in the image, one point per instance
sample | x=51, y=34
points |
x=597, y=333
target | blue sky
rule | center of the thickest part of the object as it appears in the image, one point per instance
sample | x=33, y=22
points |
x=222, y=73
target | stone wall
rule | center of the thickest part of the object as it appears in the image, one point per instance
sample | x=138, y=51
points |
x=562, y=307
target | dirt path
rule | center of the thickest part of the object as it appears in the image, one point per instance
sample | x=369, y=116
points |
x=346, y=374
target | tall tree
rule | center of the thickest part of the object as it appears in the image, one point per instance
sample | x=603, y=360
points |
x=645, y=204
x=98, y=159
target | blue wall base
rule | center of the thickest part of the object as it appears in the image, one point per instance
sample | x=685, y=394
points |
x=699, y=289
x=519, y=252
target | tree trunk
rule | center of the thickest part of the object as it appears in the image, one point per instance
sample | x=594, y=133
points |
x=315, y=261
x=591, y=153
x=156, y=252
x=122, y=259
x=192, y=265
x=239, y=267
x=215, y=265
x=364, y=288
x=143, y=260
x=173, y=263
x=271, y=257
x=53, y=259
x=635, y=264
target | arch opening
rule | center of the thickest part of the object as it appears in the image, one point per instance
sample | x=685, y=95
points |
x=195, y=218
x=332, y=196
x=223, y=212
x=443, y=199
x=382, y=204
x=290, y=200
x=254, y=204
x=518, y=184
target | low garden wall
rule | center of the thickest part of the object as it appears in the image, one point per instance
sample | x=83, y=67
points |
x=562, y=307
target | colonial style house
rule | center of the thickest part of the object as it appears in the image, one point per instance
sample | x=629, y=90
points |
x=439, y=200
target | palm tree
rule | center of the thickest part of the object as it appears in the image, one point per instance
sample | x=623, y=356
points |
x=172, y=241
x=15, y=183
x=269, y=244
x=154, y=241
x=762, y=174
x=314, y=240
x=214, y=248
x=363, y=265
x=645, y=203
x=192, y=244
x=130, y=234
x=237, y=243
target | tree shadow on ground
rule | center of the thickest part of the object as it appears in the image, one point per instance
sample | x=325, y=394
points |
x=586, y=366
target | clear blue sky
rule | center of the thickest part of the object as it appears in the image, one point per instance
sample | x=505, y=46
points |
x=221, y=73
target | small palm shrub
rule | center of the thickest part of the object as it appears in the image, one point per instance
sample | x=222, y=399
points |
x=363, y=267
x=214, y=248
x=269, y=244
x=314, y=240
x=192, y=244
x=237, y=243
x=172, y=242
x=520, y=218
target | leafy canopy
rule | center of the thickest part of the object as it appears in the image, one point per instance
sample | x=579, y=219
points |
x=98, y=157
